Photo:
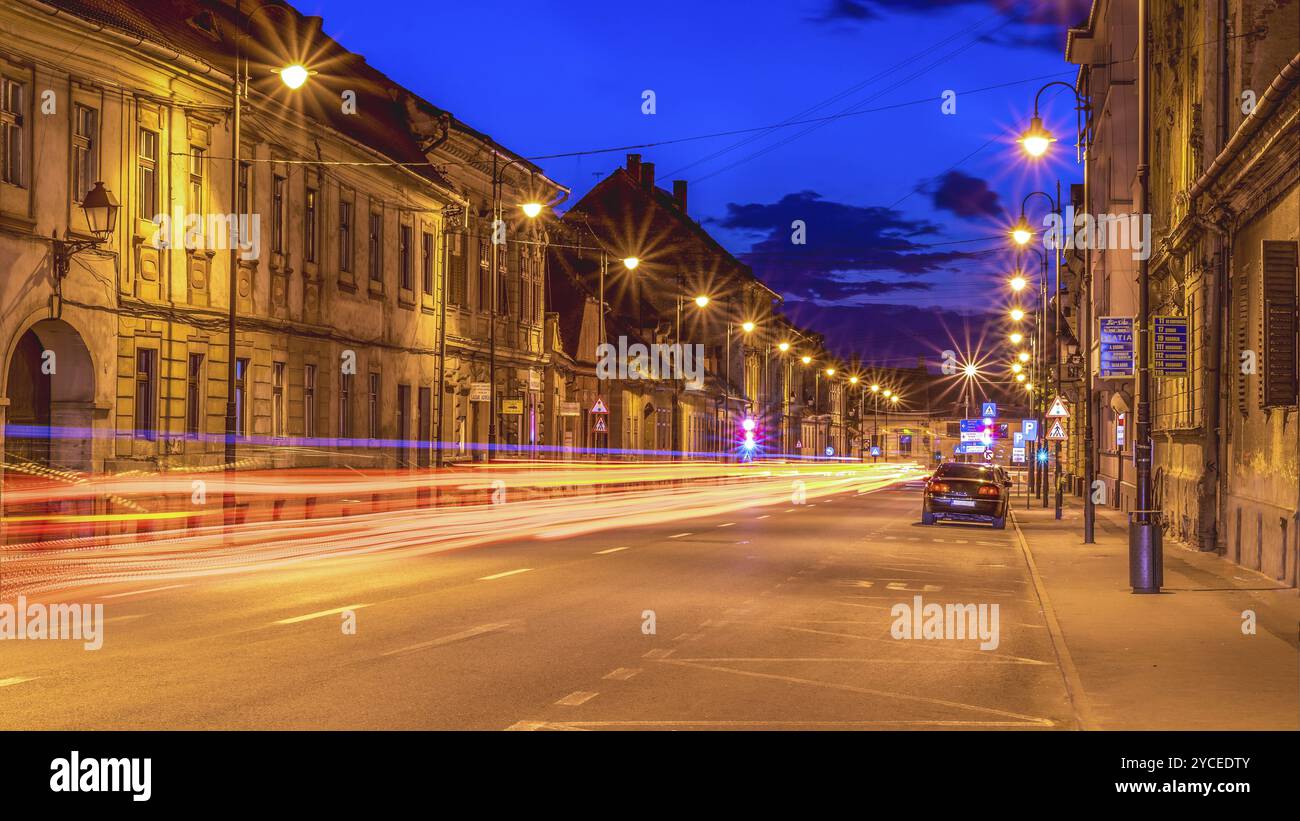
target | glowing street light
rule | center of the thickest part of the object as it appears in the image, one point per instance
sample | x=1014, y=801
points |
x=1020, y=377
x=830, y=371
x=853, y=380
x=875, y=389
x=1023, y=356
x=531, y=209
x=701, y=300
x=747, y=327
x=1018, y=283
x=630, y=263
x=1017, y=314
x=806, y=359
x=1037, y=139
x=783, y=347
x=971, y=369
x=1016, y=338
x=294, y=75
x=1016, y=367
x=888, y=393
x=1021, y=233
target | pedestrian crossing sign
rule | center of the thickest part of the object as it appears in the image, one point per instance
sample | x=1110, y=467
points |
x=1057, y=430
x=600, y=425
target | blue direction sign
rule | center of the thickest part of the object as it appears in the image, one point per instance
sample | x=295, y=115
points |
x=1169, y=346
x=1116, y=346
x=989, y=410
x=1029, y=428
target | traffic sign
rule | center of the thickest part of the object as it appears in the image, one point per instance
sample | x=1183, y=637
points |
x=989, y=409
x=1057, y=431
x=1058, y=409
x=600, y=425
x=512, y=407
x=1116, y=346
x=1170, y=350
x=1030, y=429
x=599, y=407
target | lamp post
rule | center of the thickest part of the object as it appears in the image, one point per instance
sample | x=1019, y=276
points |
x=875, y=421
x=293, y=76
x=530, y=209
x=1036, y=141
x=100, y=208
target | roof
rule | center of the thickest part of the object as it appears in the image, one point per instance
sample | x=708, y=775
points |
x=279, y=34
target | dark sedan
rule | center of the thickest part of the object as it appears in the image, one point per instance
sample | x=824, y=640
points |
x=963, y=492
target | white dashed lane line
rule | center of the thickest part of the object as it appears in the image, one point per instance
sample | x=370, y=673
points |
x=142, y=592
x=322, y=614
x=610, y=550
x=503, y=575
x=679, y=535
x=9, y=682
x=574, y=699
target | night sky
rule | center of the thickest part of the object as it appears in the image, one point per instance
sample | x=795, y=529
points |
x=904, y=205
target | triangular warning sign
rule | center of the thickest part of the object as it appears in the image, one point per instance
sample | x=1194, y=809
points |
x=600, y=425
x=1058, y=409
x=599, y=407
x=1057, y=431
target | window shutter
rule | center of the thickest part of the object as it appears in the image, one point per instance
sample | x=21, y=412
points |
x=1279, y=366
x=1241, y=321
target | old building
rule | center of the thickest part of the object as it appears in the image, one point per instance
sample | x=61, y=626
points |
x=1225, y=212
x=358, y=202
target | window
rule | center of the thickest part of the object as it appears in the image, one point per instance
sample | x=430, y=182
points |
x=11, y=131
x=309, y=226
x=241, y=397
x=194, y=395
x=146, y=393
x=1280, y=331
x=459, y=273
x=345, y=406
x=372, y=408
x=484, y=276
x=376, y=249
x=422, y=426
x=309, y=401
x=147, y=174
x=85, y=150
x=277, y=214
x=345, y=236
x=196, y=204
x=403, y=432
x=426, y=261
x=404, y=256
x=277, y=398
x=245, y=171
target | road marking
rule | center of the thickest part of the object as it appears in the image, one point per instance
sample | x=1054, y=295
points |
x=323, y=613
x=1028, y=719
x=789, y=510
x=482, y=629
x=658, y=653
x=503, y=575
x=527, y=726
x=9, y=682
x=765, y=515
x=524, y=726
x=622, y=673
x=726, y=524
x=142, y=592
x=574, y=699
x=611, y=550
x=678, y=535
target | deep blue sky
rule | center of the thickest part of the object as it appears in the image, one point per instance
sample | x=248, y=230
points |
x=889, y=197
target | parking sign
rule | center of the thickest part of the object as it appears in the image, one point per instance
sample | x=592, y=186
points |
x=1029, y=427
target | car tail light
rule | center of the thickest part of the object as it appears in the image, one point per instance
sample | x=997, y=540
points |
x=939, y=487
x=990, y=490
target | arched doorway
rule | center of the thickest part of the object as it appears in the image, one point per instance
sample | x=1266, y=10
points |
x=51, y=390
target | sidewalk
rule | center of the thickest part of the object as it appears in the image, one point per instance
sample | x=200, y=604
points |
x=1177, y=660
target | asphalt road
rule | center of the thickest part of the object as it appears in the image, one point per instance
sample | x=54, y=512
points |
x=772, y=617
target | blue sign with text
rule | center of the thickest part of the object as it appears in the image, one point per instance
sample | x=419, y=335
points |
x=1116, y=346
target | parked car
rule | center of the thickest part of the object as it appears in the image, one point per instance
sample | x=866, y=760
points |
x=967, y=492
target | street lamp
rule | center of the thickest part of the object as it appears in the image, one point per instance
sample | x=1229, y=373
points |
x=294, y=76
x=1021, y=232
x=747, y=327
x=531, y=209
x=100, y=208
x=1036, y=140
x=1018, y=283
x=701, y=300
x=1017, y=314
x=1017, y=338
x=783, y=347
x=630, y=263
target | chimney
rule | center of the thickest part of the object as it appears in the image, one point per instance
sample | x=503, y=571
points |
x=648, y=176
x=634, y=166
x=679, y=194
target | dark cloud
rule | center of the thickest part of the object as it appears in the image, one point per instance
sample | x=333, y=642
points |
x=850, y=250
x=965, y=196
x=1037, y=25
